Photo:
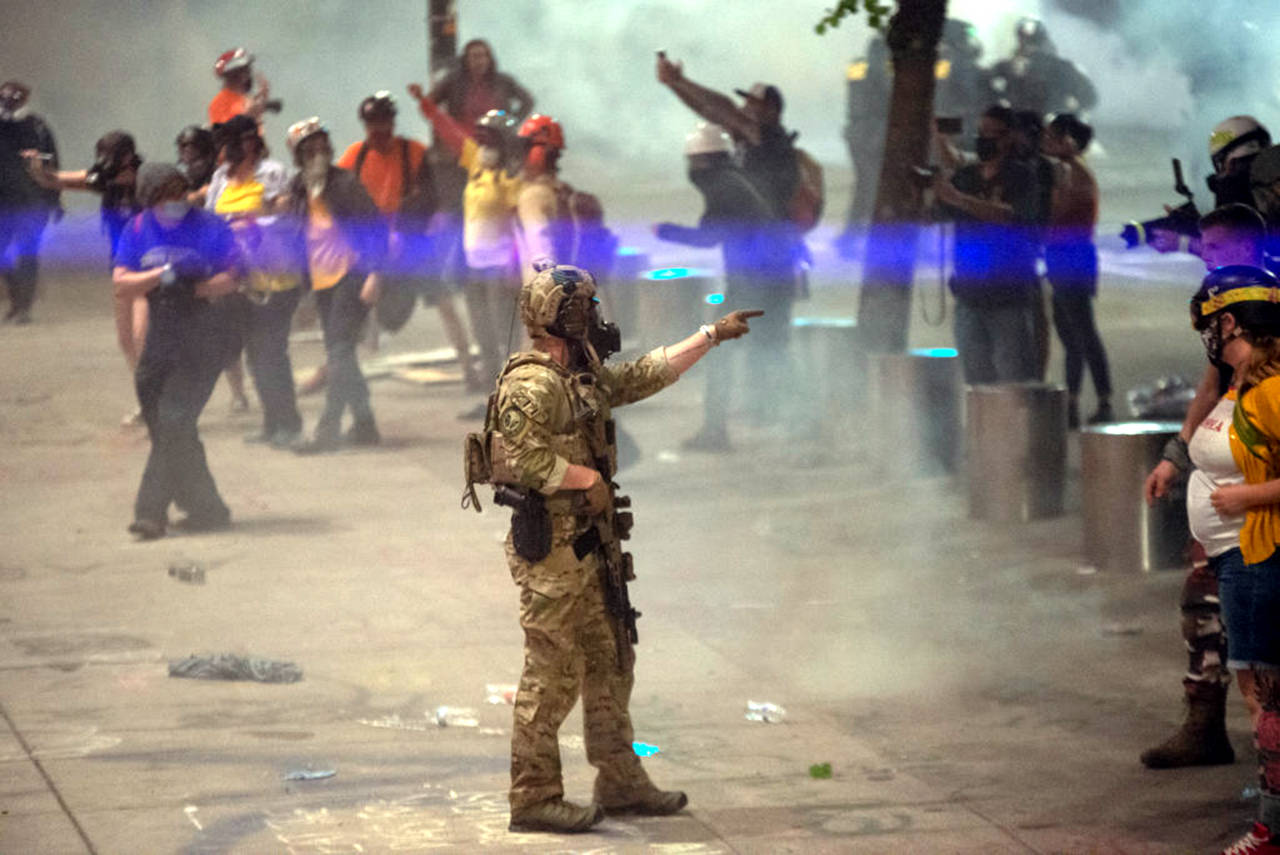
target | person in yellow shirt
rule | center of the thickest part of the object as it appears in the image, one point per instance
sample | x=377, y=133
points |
x=488, y=226
x=246, y=190
x=1237, y=313
x=344, y=239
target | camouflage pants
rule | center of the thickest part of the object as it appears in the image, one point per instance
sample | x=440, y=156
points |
x=1202, y=628
x=569, y=649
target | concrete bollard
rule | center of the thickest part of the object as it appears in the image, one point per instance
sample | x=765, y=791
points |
x=827, y=360
x=914, y=402
x=670, y=304
x=1121, y=533
x=1017, y=447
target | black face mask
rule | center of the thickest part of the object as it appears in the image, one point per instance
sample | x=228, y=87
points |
x=1232, y=187
x=987, y=148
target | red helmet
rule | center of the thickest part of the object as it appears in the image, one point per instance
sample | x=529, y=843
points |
x=542, y=130
x=232, y=60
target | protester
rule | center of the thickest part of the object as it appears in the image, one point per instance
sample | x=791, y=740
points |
x=25, y=205
x=995, y=204
x=183, y=260
x=1232, y=235
x=757, y=271
x=247, y=190
x=397, y=173
x=197, y=159
x=236, y=97
x=489, y=227
x=545, y=217
x=1237, y=313
x=1071, y=264
x=345, y=245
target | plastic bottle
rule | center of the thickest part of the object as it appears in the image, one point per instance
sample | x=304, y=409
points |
x=765, y=711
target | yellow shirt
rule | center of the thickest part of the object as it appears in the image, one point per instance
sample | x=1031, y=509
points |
x=488, y=211
x=329, y=256
x=246, y=199
x=1255, y=445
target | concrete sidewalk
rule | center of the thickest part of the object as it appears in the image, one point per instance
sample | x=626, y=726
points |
x=971, y=689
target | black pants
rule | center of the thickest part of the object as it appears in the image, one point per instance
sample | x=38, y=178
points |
x=267, y=345
x=184, y=355
x=1073, y=319
x=20, y=233
x=342, y=315
x=766, y=351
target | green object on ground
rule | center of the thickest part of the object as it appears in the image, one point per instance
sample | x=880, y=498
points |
x=820, y=770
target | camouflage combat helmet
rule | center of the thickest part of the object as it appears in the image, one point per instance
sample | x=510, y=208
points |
x=541, y=296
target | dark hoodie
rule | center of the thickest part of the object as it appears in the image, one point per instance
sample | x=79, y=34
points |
x=758, y=251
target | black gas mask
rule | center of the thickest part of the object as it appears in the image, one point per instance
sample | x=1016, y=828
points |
x=987, y=148
x=1234, y=185
x=578, y=317
x=108, y=166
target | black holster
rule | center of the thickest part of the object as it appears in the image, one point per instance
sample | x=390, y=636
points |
x=530, y=522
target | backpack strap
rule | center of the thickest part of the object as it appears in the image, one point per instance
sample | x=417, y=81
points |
x=404, y=169
x=360, y=156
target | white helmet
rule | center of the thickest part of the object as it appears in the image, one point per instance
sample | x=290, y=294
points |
x=1238, y=136
x=707, y=138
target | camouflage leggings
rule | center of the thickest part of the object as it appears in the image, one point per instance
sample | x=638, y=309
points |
x=1202, y=628
x=570, y=649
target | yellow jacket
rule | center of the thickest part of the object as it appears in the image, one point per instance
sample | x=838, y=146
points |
x=1255, y=445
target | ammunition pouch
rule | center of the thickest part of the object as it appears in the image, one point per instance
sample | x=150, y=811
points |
x=484, y=461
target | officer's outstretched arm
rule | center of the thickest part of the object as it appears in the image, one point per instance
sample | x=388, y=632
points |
x=682, y=355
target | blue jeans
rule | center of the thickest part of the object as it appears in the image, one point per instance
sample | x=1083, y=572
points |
x=1250, y=595
x=996, y=343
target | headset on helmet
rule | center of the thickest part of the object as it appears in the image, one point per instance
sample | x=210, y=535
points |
x=542, y=130
x=707, y=138
x=541, y=296
x=379, y=105
x=1251, y=294
x=232, y=60
x=304, y=130
x=1237, y=136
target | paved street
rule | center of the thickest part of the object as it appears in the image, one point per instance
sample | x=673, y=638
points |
x=973, y=687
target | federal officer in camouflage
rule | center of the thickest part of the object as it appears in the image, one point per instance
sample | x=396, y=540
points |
x=552, y=415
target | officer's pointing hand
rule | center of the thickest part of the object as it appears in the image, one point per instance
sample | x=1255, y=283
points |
x=734, y=324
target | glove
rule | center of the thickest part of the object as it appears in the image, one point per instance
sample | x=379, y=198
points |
x=597, y=496
x=734, y=324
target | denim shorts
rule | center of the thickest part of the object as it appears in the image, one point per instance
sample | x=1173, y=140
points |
x=1250, y=595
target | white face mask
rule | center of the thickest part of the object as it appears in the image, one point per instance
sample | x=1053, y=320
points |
x=490, y=156
x=169, y=214
x=315, y=170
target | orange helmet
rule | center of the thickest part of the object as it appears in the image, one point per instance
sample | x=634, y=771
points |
x=232, y=60
x=542, y=130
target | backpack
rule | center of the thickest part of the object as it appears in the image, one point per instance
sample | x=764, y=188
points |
x=804, y=208
x=417, y=192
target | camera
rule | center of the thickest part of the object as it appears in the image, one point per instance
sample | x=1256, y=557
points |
x=103, y=172
x=275, y=105
x=1183, y=220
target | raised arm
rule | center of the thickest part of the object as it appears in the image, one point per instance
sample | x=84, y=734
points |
x=709, y=104
x=450, y=130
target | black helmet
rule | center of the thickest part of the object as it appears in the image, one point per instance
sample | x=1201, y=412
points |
x=379, y=105
x=201, y=138
x=1251, y=294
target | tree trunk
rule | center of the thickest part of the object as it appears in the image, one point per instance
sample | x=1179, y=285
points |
x=884, y=308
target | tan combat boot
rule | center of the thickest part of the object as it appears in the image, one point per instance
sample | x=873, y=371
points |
x=1202, y=738
x=556, y=815
x=649, y=801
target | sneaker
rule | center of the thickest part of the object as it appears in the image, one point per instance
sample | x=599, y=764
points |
x=321, y=443
x=287, y=439
x=147, y=529
x=711, y=441
x=556, y=815
x=1257, y=842
x=363, y=433
x=650, y=802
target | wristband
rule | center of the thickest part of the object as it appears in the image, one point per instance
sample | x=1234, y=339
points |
x=710, y=332
x=1175, y=451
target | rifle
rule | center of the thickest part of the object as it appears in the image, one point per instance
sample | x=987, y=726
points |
x=604, y=538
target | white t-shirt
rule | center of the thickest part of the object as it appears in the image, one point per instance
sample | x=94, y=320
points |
x=1210, y=450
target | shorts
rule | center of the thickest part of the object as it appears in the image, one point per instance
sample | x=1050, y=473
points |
x=1250, y=595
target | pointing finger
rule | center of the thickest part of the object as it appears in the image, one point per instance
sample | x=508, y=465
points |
x=751, y=313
